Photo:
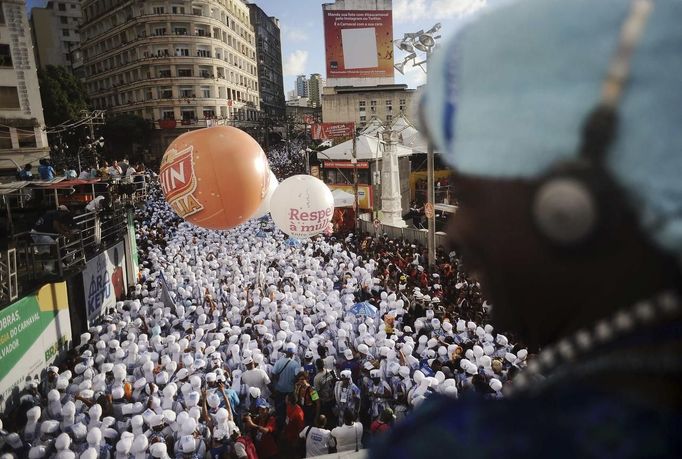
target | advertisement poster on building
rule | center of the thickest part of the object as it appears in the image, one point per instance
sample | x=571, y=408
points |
x=325, y=131
x=104, y=281
x=365, y=200
x=33, y=331
x=359, y=44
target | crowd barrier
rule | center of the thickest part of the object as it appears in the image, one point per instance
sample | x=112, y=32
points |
x=418, y=236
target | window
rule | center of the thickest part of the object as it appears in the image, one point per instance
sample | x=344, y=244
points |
x=389, y=118
x=209, y=113
x=184, y=72
x=65, y=32
x=167, y=114
x=205, y=92
x=363, y=118
x=180, y=31
x=159, y=31
x=62, y=6
x=27, y=139
x=372, y=103
x=186, y=92
x=363, y=103
x=182, y=51
x=9, y=97
x=5, y=56
x=178, y=10
x=5, y=140
x=389, y=102
x=164, y=73
x=188, y=114
x=158, y=10
x=203, y=53
x=402, y=102
x=64, y=20
x=165, y=93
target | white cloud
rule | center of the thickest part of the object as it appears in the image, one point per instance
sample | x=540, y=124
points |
x=410, y=11
x=295, y=35
x=450, y=8
x=295, y=63
x=414, y=76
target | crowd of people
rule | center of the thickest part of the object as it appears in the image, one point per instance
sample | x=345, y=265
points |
x=244, y=344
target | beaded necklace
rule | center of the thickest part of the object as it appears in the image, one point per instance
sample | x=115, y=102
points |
x=557, y=362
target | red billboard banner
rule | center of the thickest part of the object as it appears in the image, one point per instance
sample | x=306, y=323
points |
x=345, y=165
x=359, y=43
x=324, y=131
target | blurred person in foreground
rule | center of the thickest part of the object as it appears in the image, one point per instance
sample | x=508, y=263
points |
x=561, y=123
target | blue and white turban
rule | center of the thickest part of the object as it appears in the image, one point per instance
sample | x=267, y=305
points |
x=507, y=96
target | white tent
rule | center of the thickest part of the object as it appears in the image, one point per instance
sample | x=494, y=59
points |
x=343, y=199
x=368, y=148
x=409, y=136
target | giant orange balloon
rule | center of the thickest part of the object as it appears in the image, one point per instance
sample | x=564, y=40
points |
x=216, y=177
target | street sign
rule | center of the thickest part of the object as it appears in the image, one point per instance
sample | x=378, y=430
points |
x=428, y=210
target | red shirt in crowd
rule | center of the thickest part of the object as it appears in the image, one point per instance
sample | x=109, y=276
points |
x=265, y=442
x=294, y=422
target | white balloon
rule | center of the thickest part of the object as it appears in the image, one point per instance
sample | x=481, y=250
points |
x=302, y=206
x=265, y=204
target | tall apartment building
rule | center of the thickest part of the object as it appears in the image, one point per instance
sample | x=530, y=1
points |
x=56, y=35
x=180, y=63
x=302, y=86
x=269, y=53
x=315, y=85
x=22, y=135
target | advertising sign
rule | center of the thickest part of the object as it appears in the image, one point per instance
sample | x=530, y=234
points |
x=345, y=165
x=365, y=195
x=359, y=44
x=104, y=281
x=324, y=131
x=33, y=331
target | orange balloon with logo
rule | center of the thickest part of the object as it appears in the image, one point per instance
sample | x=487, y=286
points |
x=215, y=177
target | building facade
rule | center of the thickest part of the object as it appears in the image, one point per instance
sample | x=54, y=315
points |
x=315, y=85
x=56, y=35
x=22, y=134
x=181, y=64
x=361, y=104
x=302, y=86
x=269, y=53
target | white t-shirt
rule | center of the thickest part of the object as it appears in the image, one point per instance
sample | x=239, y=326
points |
x=316, y=442
x=347, y=437
x=256, y=378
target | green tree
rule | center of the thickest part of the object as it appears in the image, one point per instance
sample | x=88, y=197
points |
x=121, y=132
x=62, y=93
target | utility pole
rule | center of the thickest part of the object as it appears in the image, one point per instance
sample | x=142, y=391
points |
x=355, y=177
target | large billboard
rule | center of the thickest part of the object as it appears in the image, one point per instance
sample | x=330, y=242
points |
x=104, y=281
x=33, y=331
x=359, y=43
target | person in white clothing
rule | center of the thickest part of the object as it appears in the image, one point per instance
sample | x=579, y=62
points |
x=347, y=437
x=316, y=438
x=255, y=377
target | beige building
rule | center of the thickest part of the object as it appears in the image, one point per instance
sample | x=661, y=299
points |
x=22, y=135
x=360, y=104
x=56, y=33
x=182, y=64
x=315, y=87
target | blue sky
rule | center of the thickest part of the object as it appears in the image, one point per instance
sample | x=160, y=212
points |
x=303, y=37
